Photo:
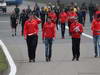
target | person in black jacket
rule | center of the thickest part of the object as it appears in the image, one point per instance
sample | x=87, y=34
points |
x=37, y=10
x=91, y=11
x=17, y=11
x=23, y=18
x=57, y=11
x=42, y=15
x=80, y=16
x=83, y=11
x=28, y=10
x=14, y=22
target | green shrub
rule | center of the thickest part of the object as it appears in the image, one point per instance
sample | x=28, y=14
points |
x=3, y=62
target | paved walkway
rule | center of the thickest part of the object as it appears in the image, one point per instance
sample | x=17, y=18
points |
x=60, y=64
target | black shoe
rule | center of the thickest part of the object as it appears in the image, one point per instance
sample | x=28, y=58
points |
x=73, y=59
x=15, y=34
x=33, y=60
x=47, y=59
x=95, y=56
x=30, y=60
x=77, y=59
x=12, y=35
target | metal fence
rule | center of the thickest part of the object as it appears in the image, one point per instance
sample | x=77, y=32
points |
x=79, y=2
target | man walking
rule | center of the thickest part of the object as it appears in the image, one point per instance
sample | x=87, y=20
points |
x=48, y=34
x=76, y=30
x=31, y=35
x=95, y=27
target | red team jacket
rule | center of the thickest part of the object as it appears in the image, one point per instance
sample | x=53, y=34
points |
x=71, y=15
x=31, y=27
x=52, y=15
x=95, y=27
x=76, y=29
x=97, y=12
x=49, y=30
x=63, y=17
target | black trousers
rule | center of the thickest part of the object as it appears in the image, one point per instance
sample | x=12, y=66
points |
x=76, y=47
x=57, y=22
x=43, y=21
x=91, y=17
x=63, y=30
x=32, y=42
x=23, y=27
x=84, y=19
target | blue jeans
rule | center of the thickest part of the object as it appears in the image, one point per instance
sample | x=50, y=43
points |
x=48, y=47
x=96, y=40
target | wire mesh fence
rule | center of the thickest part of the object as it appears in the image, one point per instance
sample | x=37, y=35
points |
x=66, y=2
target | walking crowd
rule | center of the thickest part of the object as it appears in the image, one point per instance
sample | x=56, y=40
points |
x=51, y=17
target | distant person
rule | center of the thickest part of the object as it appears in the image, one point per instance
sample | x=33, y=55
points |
x=17, y=11
x=57, y=11
x=91, y=11
x=42, y=16
x=31, y=35
x=37, y=10
x=97, y=8
x=28, y=10
x=95, y=27
x=71, y=13
x=72, y=4
x=48, y=34
x=76, y=8
x=4, y=10
x=76, y=30
x=52, y=15
x=63, y=17
x=84, y=11
x=23, y=18
x=14, y=23
x=80, y=16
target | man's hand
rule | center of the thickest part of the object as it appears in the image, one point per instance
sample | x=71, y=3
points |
x=76, y=29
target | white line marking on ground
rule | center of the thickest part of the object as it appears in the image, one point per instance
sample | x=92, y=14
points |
x=86, y=35
x=13, y=68
x=3, y=21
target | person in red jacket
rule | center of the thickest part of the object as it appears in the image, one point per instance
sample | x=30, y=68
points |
x=76, y=30
x=71, y=15
x=52, y=15
x=31, y=35
x=63, y=17
x=95, y=27
x=48, y=34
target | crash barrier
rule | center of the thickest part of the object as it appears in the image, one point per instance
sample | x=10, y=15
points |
x=12, y=67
